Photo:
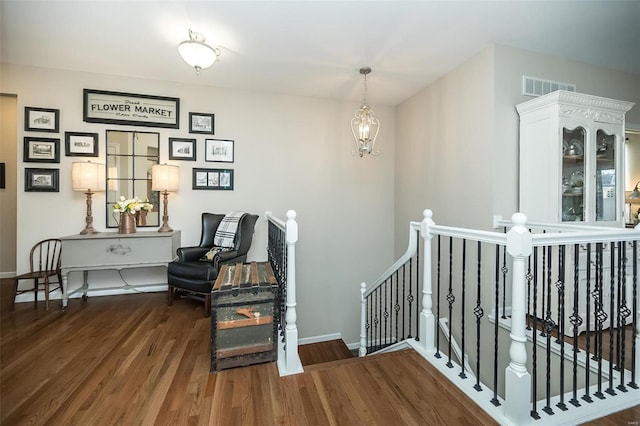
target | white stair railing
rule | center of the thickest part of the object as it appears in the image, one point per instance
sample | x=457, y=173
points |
x=518, y=406
x=282, y=256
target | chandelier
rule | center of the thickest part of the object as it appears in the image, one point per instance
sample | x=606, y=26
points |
x=365, y=126
x=197, y=53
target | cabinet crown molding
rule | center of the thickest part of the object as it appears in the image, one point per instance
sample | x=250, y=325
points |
x=579, y=101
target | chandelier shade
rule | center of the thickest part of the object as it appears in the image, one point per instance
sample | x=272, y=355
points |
x=196, y=53
x=364, y=125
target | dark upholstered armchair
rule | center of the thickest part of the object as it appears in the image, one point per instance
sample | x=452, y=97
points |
x=192, y=276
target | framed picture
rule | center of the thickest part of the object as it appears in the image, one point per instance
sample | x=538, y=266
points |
x=41, y=120
x=218, y=150
x=41, y=150
x=41, y=180
x=201, y=123
x=182, y=149
x=101, y=106
x=220, y=179
x=81, y=144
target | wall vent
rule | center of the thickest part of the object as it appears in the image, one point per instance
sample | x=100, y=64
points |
x=532, y=86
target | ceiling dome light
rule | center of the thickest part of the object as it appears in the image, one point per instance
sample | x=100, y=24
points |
x=197, y=53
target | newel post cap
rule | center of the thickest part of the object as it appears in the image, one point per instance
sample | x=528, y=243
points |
x=519, y=240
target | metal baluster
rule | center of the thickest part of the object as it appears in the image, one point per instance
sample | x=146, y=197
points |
x=534, y=335
x=544, y=287
x=418, y=283
x=549, y=325
x=410, y=297
x=494, y=400
x=560, y=286
x=624, y=313
x=437, y=354
x=612, y=293
x=504, y=270
x=385, y=314
x=369, y=325
x=404, y=309
x=529, y=278
x=464, y=269
x=479, y=313
x=576, y=321
x=397, y=305
x=587, y=371
x=450, y=299
x=601, y=317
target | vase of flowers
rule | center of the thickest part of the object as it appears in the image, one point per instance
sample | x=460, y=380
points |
x=128, y=209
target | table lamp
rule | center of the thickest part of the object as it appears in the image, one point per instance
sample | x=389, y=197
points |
x=88, y=177
x=165, y=178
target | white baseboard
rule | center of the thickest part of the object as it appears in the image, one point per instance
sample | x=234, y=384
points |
x=317, y=339
x=76, y=294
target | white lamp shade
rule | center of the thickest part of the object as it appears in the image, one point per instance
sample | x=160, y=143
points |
x=87, y=176
x=197, y=54
x=165, y=177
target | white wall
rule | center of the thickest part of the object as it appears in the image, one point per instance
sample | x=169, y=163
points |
x=443, y=150
x=290, y=153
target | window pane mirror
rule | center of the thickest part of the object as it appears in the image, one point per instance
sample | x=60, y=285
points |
x=130, y=156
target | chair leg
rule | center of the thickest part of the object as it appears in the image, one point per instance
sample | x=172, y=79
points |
x=207, y=305
x=35, y=294
x=13, y=295
x=170, y=295
x=46, y=293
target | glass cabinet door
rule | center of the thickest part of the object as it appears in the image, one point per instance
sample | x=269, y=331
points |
x=605, y=187
x=573, y=171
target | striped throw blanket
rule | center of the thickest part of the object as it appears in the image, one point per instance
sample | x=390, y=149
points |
x=226, y=232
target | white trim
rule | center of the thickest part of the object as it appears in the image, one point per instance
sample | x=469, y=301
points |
x=129, y=289
x=318, y=339
x=9, y=274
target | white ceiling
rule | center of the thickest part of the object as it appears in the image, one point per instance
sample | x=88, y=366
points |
x=313, y=48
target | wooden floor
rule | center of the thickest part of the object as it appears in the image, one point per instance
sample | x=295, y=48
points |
x=132, y=360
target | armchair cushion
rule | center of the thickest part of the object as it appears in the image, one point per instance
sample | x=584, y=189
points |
x=213, y=251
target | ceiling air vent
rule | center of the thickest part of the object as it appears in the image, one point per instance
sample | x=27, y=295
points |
x=532, y=86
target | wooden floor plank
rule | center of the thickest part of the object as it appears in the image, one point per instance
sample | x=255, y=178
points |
x=133, y=360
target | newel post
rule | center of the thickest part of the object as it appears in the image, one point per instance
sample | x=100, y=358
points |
x=292, y=364
x=427, y=319
x=517, y=392
x=363, y=321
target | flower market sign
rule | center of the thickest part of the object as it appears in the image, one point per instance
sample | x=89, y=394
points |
x=131, y=109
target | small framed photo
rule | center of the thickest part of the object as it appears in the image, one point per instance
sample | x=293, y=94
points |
x=201, y=123
x=217, y=179
x=182, y=149
x=81, y=144
x=218, y=150
x=41, y=120
x=41, y=150
x=41, y=180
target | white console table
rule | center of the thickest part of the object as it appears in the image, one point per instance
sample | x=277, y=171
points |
x=110, y=250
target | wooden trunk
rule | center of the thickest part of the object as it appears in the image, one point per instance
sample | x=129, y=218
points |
x=244, y=316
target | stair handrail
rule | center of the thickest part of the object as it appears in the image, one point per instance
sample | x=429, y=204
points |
x=288, y=357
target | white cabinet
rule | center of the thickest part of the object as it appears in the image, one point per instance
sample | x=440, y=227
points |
x=572, y=158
